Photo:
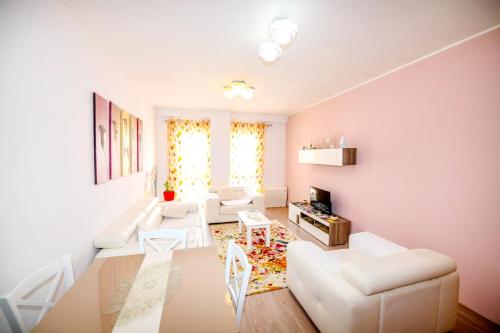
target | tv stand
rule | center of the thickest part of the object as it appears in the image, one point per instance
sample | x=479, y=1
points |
x=329, y=229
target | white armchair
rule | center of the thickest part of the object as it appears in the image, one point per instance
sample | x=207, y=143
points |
x=374, y=286
x=223, y=203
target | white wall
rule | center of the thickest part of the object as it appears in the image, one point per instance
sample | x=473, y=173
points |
x=275, y=139
x=49, y=205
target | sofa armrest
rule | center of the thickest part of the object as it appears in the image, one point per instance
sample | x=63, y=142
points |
x=258, y=202
x=331, y=303
x=373, y=245
x=397, y=270
x=212, y=207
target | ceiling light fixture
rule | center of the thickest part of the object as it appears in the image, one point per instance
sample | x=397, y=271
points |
x=269, y=51
x=281, y=32
x=238, y=88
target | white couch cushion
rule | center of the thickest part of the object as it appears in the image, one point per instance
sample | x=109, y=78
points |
x=152, y=220
x=119, y=232
x=245, y=200
x=232, y=210
x=332, y=261
x=189, y=221
x=132, y=248
x=192, y=205
x=145, y=204
x=379, y=274
x=227, y=193
x=373, y=245
x=176, y=211
x=129, y=249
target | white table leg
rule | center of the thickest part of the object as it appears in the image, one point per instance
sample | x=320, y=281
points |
x=240, y=225
x=249, y=238
x=268, y=236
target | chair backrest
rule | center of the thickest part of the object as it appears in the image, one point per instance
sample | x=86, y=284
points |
x=179, y=236
x=237, y=275
x=17, y=298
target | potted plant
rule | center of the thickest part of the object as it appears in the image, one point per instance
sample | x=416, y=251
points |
x=168, y=194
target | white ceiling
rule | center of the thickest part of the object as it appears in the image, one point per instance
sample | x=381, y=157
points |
x=181, y=53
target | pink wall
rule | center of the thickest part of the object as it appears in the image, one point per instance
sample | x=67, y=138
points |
x=428, y=173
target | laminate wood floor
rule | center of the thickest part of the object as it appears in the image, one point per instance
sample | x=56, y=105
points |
x=279, y=311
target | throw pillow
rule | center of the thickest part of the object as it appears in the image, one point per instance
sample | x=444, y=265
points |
x=245, y=200
x=226, y=193
x=175, y=211
x=239, y=193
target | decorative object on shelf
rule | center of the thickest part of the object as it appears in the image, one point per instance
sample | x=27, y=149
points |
x=328, y=143
x=168, y=194
x=342, y=143
x=333, y=156
x=153, y=175
x=238, y=88
x=101, y=139
x=150, y=182
x=281, y=32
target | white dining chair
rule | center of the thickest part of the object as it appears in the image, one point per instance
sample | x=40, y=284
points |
x=237, y=276
x=19, y=298
x=177, y=236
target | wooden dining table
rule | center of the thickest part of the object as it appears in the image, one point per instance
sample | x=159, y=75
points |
x=183, y=291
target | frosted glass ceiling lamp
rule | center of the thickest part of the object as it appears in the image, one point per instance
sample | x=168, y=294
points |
x=238, y=88
x=283, y=31
x=269, y=51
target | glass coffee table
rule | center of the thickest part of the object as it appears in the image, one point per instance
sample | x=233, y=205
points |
x=254, y=220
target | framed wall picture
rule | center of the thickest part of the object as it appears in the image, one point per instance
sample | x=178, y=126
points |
x=133, y=144
x=139, y=145
x=101, y=139
x=125, y=143
x=114, y=140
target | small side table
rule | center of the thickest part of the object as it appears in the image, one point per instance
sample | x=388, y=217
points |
x=254, y=220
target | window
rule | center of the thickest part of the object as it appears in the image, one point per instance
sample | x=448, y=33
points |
x=247, y=155
x=188, y=157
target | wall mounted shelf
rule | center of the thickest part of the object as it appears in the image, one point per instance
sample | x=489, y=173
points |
x=334, y=156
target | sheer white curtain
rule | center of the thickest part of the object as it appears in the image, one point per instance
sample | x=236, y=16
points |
x=189, y=158
x=247, y=155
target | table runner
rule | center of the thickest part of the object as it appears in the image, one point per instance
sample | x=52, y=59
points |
x=143, y=306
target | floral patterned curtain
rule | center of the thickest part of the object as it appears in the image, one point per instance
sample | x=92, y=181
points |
x=189, y=158
x=247, y=155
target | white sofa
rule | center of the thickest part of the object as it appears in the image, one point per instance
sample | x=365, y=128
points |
x=374, y=286
x=120, y=237
x=216, y=211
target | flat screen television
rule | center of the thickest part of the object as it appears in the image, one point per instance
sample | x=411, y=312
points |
x=320, y=199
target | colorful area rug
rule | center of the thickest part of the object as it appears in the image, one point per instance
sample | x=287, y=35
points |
x=268, y=263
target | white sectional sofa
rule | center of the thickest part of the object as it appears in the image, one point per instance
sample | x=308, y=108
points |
x=120, y=237
x=374, y=286
x=219, y=209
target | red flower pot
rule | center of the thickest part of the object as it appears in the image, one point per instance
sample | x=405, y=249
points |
x=169, y=195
